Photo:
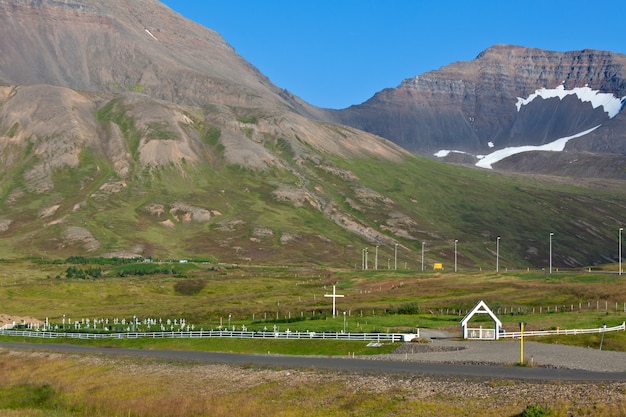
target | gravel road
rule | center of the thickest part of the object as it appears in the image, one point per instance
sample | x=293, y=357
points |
x=444, y=348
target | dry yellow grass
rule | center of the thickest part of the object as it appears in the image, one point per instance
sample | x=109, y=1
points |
x=102, y=386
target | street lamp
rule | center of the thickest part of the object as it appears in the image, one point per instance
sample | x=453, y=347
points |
x=423, y=244
x=455, y=264
x=362, y=258
x=344, y=322
x=376, y=259
x=551, y=234
x=366, y=258
x=621, y=229
x=395, y=257
x=498, y=254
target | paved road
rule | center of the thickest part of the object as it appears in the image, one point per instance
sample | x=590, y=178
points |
x=338, y=363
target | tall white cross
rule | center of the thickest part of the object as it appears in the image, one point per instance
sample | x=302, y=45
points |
x=334, y=296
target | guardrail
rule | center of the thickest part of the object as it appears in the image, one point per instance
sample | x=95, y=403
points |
x=371, y=337
x=562, y=332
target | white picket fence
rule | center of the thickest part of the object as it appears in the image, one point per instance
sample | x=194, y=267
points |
x=562, y=332
x=371, y=337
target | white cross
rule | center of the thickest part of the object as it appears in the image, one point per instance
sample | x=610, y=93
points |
x=334, y=297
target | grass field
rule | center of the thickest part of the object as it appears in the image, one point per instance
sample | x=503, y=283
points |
x=206, y=295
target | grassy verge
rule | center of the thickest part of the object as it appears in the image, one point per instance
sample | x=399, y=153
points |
x=256, y=346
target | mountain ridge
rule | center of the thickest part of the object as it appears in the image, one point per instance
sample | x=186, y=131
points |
x=153, y=138
x=470, y=106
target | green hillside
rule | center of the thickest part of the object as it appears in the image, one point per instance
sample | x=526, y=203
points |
x=137, y=177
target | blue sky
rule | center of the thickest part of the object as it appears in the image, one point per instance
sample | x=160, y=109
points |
x=335, y=53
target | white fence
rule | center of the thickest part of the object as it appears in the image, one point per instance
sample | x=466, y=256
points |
x=562, y=332
x=481, y=334
x=371, y=337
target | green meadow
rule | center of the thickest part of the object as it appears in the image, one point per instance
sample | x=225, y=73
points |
x=210, y=295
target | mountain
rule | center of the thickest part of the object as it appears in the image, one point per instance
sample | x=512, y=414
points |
x=121, y=46
x=127, y=130
x=508, y=97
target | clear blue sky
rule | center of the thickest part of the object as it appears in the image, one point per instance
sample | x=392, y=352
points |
x=335, y=53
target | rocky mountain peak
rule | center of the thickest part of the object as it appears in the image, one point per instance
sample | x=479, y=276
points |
x=472, y=107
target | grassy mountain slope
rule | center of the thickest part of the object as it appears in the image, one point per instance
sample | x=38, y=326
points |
x=127, y=130
x=128, y=175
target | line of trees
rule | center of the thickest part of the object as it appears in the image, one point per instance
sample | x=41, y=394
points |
x=79, y=273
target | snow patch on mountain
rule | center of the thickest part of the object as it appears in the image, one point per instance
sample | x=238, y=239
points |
x=611, y=104
x=444, y=152
x=558, y=145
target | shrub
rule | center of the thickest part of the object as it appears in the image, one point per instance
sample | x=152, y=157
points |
x=405, y=308
x=535, y=410
x=189, y=286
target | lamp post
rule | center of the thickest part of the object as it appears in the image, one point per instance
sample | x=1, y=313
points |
x=551, y=234
x=621, y=229
x=498, y=254
x=395, y=257
x=423, y=244
x=366, y=258
x=344, y=322
x=362, y=258
x=455, y=264
x=376, y=259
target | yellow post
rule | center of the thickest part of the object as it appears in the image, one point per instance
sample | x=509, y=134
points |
x=521, y=344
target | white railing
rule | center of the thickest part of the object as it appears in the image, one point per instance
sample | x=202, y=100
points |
x=372, y=337
x=562, y=332
x=481, y=334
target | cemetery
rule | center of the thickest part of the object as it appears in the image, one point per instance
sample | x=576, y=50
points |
x=285, y=311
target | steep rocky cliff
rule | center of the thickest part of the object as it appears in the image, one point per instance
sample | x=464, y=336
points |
x=474, y=106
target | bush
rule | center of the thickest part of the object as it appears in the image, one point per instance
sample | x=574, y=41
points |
x=406, y=308
x=189, y=286
x=535, y=410
x=73, y=272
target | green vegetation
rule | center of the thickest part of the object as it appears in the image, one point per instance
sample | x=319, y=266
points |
x=137, y=88
x=189, y=286
x=309, y=209
x=212, y=135
x=79, y=273
x=151, y=269
x=206, y=294
x=25, y=396
x=535, y=410
x=13, y=130
x=159, y=130
x=115, y=112
x=248, y=346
